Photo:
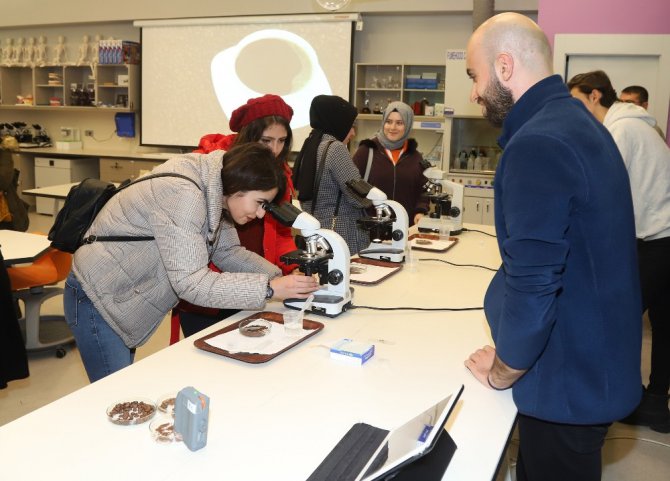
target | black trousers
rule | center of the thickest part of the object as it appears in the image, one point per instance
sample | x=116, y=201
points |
x=654, y=261
x=559, y=452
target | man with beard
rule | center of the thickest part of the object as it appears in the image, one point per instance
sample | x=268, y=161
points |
x=564, y=307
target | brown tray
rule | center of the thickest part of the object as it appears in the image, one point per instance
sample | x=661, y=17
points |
x=374, y=262
x=313, y=326
x=431, y=237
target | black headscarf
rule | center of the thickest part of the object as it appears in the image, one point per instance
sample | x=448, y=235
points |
x=328, y=114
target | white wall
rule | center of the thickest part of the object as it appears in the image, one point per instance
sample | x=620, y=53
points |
x=48, y=12
x=422, y=36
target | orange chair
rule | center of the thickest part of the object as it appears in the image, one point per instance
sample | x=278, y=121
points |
x=32, y=285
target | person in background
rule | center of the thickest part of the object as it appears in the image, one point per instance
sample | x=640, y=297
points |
x=647, y=160
x=638, y=95
x=263, y=120
x=13, y=210
x=118, y=292
x=391, y=162
x=323, y=168
x=564, y=308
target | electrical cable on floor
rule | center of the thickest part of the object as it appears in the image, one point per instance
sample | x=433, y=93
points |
x=458, y=265
x=634, y=438
x=480, y=231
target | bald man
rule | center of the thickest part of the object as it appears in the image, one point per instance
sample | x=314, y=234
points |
x=564, y=309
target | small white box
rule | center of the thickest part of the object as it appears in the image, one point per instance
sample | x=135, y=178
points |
x=429, y=110
x=122, y=79
x=68, y=145
x=439, y=110
x=352, y=352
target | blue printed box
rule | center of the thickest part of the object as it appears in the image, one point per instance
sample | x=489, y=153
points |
x=352, y=352
x=420, y=83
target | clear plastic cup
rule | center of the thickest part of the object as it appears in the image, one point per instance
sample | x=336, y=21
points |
x=293, y=322
x=445, y=230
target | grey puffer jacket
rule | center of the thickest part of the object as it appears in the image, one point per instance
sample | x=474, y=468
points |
x=135, y=284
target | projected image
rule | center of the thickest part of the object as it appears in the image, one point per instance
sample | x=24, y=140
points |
x=197, y=71
x=289, y=65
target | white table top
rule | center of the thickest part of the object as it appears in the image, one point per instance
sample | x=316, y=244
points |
x=99, y=152
x=21, y=247
x=54, y=191
x=278, y=420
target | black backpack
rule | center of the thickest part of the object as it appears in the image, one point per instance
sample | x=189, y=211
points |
x=82, y=204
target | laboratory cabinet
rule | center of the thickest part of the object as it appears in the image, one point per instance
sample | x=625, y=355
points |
x=52, y=87
x=477, y=210
x=378, y=84
x=57, y=171
x=118, y=170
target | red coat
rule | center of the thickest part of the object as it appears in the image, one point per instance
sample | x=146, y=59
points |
x=277, y=238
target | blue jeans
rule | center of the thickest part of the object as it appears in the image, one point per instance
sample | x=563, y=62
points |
x=102, y=350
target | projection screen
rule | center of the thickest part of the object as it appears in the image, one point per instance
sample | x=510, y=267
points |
x=195, y=72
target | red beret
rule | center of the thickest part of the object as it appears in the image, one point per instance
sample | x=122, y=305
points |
x=257, y=108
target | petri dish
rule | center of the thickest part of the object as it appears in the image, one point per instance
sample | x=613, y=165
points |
x=162, y=430
x=166, y=402
x=255, y=327
x=133, y=410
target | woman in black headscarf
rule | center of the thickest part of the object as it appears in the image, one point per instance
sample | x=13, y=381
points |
x=324, y=166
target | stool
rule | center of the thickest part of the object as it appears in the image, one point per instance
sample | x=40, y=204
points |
x=31, y=284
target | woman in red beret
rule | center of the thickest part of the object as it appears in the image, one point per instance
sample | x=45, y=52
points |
x=266, y=120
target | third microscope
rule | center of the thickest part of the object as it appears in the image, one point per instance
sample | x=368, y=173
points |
x=446, y=196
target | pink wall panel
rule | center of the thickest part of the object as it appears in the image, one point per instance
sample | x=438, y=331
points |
x=603, y=16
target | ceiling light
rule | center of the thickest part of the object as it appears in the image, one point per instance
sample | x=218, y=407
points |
x=333, y=4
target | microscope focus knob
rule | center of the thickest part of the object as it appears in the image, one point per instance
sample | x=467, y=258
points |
x=335, y=277
x=397, y=235
x=454, y=212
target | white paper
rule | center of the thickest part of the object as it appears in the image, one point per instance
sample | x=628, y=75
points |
x=435, y=244
x=370, y=273
x=271, y=343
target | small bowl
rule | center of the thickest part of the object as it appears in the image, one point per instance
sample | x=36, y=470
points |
x=131, y=411
x=162, y=430
x=166, y=403
x=255, y=327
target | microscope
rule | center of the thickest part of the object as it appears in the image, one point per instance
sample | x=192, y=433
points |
x=324, y=253
x=390, y=223
x=447, y=196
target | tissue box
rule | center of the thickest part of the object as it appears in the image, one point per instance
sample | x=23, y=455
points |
x=352, y=352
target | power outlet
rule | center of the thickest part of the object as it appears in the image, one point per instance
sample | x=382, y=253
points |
x=88, y=133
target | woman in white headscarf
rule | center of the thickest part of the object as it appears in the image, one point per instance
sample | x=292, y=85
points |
x=391, y=162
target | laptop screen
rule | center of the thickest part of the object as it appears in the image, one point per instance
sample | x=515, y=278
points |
x=412, y=440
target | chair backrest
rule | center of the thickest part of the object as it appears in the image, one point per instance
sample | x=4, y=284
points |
x=53, y=266
x=62, y=261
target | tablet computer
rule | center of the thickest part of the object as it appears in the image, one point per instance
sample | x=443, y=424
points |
x=411, y=441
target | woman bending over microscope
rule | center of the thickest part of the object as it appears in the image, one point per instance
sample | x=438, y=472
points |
x=118, y=292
